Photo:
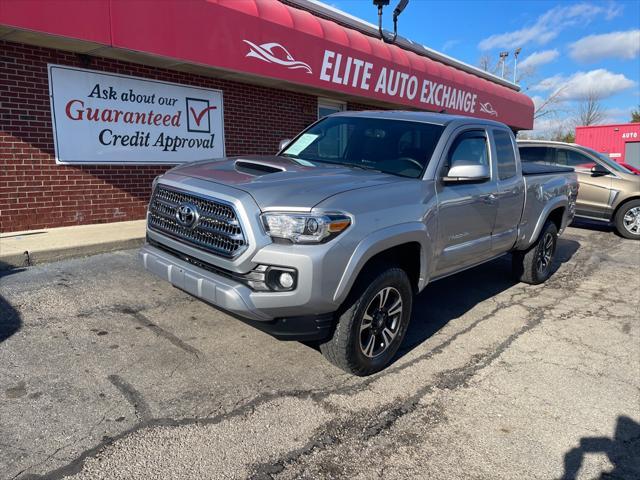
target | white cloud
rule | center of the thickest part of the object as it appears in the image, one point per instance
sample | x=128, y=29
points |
x=449, y=44
x=617, y=115
x=612, y=11
x=539, y=58
x=545, y=125
x=625, y=45
x=548, y=25
x=600, y=82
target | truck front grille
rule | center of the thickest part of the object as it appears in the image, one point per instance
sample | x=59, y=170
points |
x=216, y=228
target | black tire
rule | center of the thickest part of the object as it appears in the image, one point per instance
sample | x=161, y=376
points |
x=347, y=349
x=535, y=265
x=626, y=229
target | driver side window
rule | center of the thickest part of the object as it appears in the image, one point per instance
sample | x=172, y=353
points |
x=470, y=148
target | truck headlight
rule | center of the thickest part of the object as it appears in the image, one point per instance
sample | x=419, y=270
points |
x=305, y=227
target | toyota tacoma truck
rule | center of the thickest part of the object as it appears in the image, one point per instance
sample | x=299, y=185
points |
x=330, y=240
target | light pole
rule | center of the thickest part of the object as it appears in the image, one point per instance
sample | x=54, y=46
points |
x=503, y=57
x=515, y=64
x=402, y=4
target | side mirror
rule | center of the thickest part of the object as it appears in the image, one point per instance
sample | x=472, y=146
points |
x=283, y=144
x=464, y=171
x=599, y=170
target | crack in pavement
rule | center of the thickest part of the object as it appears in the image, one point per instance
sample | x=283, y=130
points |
x=53, y=455
x=133, y=396
x=141, y=319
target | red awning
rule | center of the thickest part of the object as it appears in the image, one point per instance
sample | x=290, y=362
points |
x=268, y=39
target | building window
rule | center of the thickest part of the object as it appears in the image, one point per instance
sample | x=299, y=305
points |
x=327, y=107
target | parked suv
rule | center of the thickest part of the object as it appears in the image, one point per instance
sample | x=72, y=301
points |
x=608, y=191
x=331, y=239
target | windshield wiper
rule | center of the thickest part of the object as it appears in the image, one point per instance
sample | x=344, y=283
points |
x=329, y=162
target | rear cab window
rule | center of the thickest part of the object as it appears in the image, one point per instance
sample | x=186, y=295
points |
x=506, y=156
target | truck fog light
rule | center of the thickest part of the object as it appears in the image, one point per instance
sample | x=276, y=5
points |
x=280, y=279
x=286, y=280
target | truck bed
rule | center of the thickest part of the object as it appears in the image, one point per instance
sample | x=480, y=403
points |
x=544, y=186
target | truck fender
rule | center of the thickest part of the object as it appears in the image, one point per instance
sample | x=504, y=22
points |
x=526, y=241
x=379, y=241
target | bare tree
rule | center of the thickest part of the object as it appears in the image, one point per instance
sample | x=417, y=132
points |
x=590, y=111
x=563, y=134
x=550, y=105
x=494, y=66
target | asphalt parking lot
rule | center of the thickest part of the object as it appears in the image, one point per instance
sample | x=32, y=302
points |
x=106, y=372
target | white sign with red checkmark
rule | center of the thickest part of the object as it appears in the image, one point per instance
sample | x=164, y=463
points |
x=104, y=118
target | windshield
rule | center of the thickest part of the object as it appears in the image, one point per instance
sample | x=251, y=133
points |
x=607, y=161
x=397, y=147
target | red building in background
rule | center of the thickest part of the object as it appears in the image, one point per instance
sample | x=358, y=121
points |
x=620, y=142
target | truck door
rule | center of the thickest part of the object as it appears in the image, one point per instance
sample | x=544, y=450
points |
x=466, y=211
x=510, y=192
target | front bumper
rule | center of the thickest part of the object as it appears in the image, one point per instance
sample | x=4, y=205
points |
x=236, y=298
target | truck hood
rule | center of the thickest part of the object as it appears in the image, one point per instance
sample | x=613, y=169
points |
x=281, y=182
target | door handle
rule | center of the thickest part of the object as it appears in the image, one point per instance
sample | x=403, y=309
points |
x=489, y=198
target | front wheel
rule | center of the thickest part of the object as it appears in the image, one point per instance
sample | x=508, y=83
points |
x=628, y=220
x=373, y=325
x=535, y=265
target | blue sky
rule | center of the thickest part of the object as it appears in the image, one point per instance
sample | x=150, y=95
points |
x=573, y=47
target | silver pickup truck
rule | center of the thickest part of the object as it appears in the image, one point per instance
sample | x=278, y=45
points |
x=330, y=239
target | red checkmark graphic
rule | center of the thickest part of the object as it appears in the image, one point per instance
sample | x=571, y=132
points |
x=198, y=116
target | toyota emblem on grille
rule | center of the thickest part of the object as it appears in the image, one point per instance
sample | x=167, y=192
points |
x=187, y=215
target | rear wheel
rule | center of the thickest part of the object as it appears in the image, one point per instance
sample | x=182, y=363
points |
x=371, y=328
x=628, y=220
x=535, y=265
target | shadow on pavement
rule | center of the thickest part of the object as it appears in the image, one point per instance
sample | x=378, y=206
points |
x=585, y=224
x=10, y=321
x=451, y=297
x=623, y=451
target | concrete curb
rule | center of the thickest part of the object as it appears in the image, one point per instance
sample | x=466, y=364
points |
x=9, y=262
x=30, y=247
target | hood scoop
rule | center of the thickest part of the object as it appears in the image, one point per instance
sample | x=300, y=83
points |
x=253, y=167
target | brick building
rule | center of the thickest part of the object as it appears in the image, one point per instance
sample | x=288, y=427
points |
x=76, y=149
